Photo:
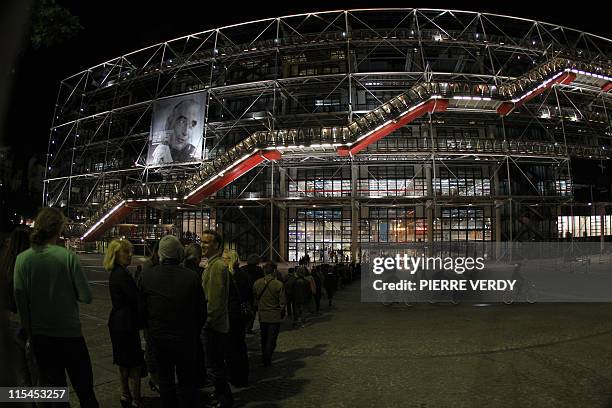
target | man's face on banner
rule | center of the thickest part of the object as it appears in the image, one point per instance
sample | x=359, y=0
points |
x=186, y=120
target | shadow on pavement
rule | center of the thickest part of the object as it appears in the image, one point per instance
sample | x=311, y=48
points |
x=276, y=383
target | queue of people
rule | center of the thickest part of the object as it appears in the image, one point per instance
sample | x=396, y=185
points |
x=304, y=288
x=194, y=319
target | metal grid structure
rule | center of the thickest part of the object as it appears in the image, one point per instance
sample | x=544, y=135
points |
x=308, y=115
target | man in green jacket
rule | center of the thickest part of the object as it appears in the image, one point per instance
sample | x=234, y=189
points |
x=215, y=282
x=269, y=295
x=48, y=284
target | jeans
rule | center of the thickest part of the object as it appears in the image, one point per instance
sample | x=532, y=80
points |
x=58, y=355
x=176, y=356
x=269, y=334
x=215, y=344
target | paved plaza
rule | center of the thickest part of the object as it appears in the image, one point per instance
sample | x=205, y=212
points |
x=368, y=355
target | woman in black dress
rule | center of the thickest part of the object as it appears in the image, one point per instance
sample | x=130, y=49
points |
x=123, y=321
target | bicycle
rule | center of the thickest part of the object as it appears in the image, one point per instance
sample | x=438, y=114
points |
x=388, y=298
x=524, y=287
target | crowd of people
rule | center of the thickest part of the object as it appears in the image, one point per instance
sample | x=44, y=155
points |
x=193, y=304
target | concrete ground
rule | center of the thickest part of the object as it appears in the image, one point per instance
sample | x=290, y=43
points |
x=368, y=355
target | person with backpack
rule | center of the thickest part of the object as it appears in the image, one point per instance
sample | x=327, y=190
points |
x=269, y=295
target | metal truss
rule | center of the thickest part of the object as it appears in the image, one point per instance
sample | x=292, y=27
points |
x=529, y=73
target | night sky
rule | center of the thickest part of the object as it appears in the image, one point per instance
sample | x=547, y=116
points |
x=112, y=28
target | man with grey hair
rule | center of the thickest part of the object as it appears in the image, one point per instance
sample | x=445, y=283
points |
x=173, y=306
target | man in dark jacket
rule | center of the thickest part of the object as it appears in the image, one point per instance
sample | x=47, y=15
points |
x=318, y=279
x=252, y=267
x=236, y=354
x=301, y=294
x=331, y=283
x=173, y=305
x=255, y=272
x=193, y=257
x=289, y=287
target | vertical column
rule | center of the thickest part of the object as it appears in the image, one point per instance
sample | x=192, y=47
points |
x=349, y=66
x=510, y=210
x=498, y=213
x=271, y=242
x=429, y=205
x=602, y=227
x=282, y=215
x=354, y=212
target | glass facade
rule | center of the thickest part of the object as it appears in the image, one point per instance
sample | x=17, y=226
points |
x=385, y=224
x=320, y=182
x=583, y=226
x=462, y=224
x=146, y=224
x=151, y=224
x=192, y=224
x=392, y=182
x=462, y=181
x=317, y=231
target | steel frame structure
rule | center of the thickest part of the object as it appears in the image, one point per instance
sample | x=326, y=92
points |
x=321, y=89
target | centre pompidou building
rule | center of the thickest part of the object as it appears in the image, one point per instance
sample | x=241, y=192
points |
x=325, y=131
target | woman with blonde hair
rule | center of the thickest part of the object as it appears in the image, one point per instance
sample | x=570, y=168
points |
x=123, y=322
x=230, y=257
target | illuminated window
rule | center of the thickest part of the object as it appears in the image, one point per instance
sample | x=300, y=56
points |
x=392, y=224
x=321, y=182
x=462, y=224
x=462, y=181
x=318, y=232
x=583, y=226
